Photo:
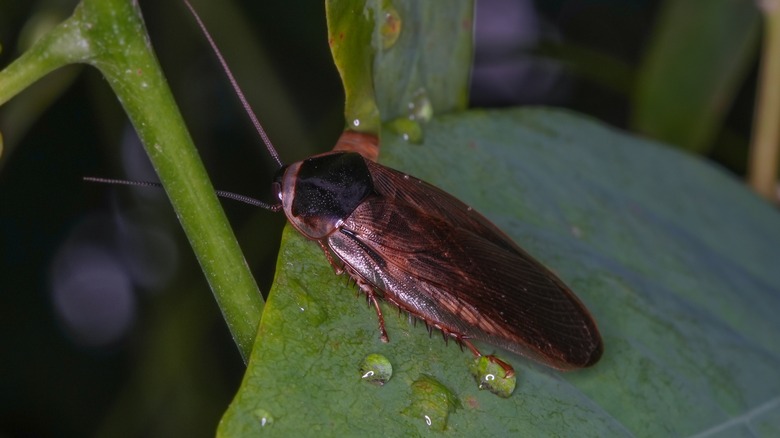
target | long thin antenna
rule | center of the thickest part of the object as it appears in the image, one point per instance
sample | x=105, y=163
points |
x=123, y=182
x=236, y=88
x=221, y=193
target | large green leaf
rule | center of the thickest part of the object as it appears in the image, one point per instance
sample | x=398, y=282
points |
x=676, y=260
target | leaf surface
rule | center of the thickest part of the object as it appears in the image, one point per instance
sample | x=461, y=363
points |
x=675, y=259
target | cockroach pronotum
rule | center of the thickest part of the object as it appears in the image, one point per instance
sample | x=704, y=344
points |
x=421, y=249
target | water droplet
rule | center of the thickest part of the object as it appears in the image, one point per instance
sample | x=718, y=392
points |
x=376, y=369
x=356, y=123
x=491, y=376
x=420, y=107
x=410, y=130
x=432, y=401
x=391, y=26
x=264, y=417
x=314, y=313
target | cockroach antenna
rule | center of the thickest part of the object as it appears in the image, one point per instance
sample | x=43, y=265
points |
x=221, y=193
x=236, y=87
x=247, y=108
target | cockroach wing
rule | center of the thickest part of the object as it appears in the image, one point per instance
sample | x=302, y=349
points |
x=434, y=257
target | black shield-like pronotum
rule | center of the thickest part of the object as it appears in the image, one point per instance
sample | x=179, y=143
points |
x=421, y=249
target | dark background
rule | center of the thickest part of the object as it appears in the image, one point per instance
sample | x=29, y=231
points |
x=107, y=325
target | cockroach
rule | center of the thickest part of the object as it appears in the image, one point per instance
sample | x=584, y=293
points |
x=419, y=248
x=434, y=257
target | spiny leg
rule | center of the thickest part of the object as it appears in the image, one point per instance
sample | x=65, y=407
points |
x=336, y=268
x=382, y=331
x=371, y=297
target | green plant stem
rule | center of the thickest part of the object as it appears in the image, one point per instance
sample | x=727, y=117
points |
x=109, y=35
x=765, y=147
x=63, y=45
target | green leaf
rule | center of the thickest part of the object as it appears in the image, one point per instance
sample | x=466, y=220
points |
x=693, y=68
x=646, y=237
x=429, y=62
x=383, y=51
x=350, y=28
x=676, y=260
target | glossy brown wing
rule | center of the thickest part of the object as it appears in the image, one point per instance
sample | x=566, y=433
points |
x=430, y=199
x=430, y=254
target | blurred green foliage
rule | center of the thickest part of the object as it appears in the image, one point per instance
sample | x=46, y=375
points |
x=175, y=372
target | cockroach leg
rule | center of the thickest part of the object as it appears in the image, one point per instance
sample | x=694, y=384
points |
x=506, y=367
x=371, y=297
x=336, y=268
x=382, y=331
x=471, y=346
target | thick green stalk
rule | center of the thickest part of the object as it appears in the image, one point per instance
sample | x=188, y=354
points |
x=109, y=35
x=765, y=147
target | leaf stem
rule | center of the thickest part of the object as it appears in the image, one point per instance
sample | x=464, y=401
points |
x=765, y=147
x=110, y=35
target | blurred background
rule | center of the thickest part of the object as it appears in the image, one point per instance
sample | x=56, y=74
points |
x=107, y=325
